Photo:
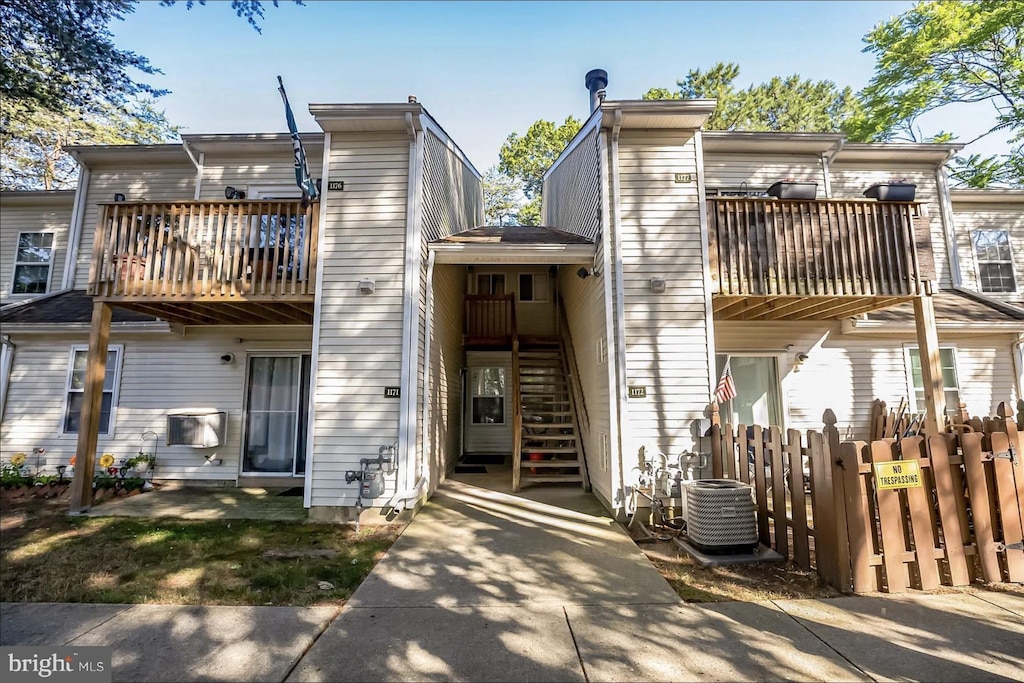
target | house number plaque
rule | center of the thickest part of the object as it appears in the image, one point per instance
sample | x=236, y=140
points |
x=638, y=392
x=392, y=392
x=335, y=185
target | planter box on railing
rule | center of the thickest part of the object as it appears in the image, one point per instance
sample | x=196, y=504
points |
x=785, y=189
x=892, y=192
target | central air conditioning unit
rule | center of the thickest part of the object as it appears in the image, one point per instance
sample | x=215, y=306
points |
x=720, y=515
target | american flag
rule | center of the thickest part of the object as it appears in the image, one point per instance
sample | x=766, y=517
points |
x=726, y=389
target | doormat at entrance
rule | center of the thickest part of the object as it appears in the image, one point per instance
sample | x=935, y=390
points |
x=470, y=469
x=484, y=459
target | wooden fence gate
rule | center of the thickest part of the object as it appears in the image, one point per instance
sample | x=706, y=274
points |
x=888, y=514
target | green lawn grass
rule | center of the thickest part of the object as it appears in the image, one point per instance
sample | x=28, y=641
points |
x=46, y=556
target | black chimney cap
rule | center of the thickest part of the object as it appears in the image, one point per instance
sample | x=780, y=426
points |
x=598, y=75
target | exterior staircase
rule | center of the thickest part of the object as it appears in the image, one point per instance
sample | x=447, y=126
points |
x=550, y=450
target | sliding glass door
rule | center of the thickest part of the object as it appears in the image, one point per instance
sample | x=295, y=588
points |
x=277, y=408
x=758, y=393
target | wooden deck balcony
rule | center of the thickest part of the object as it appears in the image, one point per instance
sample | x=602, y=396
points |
x=208, y=262
x=817, y=259
x=489, y=321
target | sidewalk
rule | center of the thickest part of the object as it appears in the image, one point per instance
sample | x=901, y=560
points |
x=486, y=586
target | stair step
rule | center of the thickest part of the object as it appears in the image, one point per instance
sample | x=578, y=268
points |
x=549, y=437
x=540, y=464
x=546, y=413
x=552, y=478
x=548, y=449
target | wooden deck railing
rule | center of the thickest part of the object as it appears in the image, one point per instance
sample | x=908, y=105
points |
x=205, y=250
x=489, y=319
x=766, y=247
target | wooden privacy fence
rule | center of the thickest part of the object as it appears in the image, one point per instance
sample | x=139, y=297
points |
x=887, y=515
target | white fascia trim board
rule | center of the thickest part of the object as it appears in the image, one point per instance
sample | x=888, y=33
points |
x=159, y=327
x=609, y=322
x=709, y=311
x=877, y=327
x=540, y=254
x=410, y=313
x=948, y=228
x=593, y=122
x=75, y=234
x=318, y=302
x=620, y=297
x=428, y=123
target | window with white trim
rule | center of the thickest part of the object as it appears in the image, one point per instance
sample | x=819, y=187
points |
x=950, y=382
x=533, y=287
x=488, y=395
x=995, y=262
x=75, y=392
x=32, y=262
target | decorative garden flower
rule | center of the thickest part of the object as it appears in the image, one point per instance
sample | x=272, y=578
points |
x=73, y=459
x=107, y=460
x=18, y=459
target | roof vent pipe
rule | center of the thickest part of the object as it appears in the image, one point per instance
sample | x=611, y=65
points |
x=597, y=81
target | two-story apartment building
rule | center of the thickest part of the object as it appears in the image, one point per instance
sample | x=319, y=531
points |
x=383, y=329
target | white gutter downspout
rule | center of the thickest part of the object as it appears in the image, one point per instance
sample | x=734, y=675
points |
x=410, y=309
x=609, y=315
x=197, y=163
x=620, y=304
x=318, y=302
x=948, y=229
x=705, y=251
x=826, y=174
x=6, y=363
x=77, y=220
x=1017, y=355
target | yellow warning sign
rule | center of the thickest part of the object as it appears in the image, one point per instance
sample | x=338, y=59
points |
x=898, y=474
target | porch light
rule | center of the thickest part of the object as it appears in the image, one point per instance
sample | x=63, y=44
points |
x=232, y=193
x=118, y=196
x=583, y=273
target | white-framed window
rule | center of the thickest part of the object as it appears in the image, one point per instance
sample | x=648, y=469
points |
x=995, y=262
x=33, y=261
x=950, y=380
x=533, y=287
x=75, y=390
x=490, y=284
x=487, y=390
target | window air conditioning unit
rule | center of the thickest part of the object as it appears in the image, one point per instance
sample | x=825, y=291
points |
x=721, y=516
x=198, y=430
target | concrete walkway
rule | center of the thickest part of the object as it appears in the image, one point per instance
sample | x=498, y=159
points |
x=205, y=502
x=486, y=586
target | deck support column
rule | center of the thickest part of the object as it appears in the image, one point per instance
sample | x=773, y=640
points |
x=92, y=405
x=931, y=364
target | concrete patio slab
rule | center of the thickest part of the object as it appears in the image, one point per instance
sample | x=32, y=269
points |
x=511, y=643
x=471, y=546
x=51, y=623
x=724, y=642
x=947, y=637
x=193, y=643
x=205, y=502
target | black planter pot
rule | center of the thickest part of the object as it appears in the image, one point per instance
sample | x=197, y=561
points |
x=793, y=190
x=892, y=192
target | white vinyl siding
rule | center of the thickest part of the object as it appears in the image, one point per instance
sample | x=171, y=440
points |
x=20, y=216
x=666, y=334
x=585, y=312
x=971, y=217
x=572, y=192
x=275, y=169
x=850, y=179
x=847, y=372
x=161, y=373
x=150, y=183
x=453, y=199
x=446, y=359
x=755, y=173
x=360, y=344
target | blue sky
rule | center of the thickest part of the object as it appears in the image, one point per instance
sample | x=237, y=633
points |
x=486, y=69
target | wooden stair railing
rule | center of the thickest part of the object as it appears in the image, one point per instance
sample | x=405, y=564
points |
x=517, y=403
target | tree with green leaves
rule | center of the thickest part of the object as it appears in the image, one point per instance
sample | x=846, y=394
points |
x=32, y=142
x=525, y=158
x=501, y=198
x=780, y=104
x=939, y=54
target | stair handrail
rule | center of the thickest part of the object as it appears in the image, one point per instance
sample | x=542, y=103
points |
x=569, y=353
x=517, y=403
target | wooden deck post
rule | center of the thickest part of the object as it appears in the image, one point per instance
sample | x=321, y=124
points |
x=89, y=424
x=931, y=365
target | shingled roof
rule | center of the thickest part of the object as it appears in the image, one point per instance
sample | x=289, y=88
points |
x=74, y=306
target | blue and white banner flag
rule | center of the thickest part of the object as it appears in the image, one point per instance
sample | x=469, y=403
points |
x=302, y=179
